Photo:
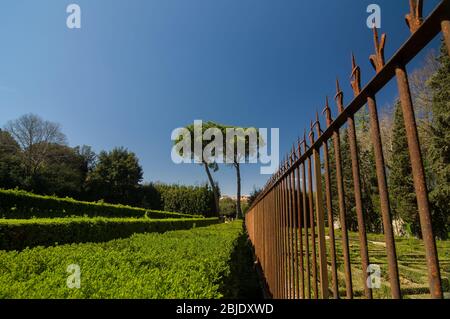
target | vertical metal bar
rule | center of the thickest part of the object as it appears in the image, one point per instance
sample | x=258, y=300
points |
x=384, y=198
x=300, y=232
x=275, y=252
x=283, y=235
x=287, y=246
x=285, y=254
x=420, y=185
x=305, y=223
x=283, y=243
x=364, y=251
x=279, y=246
x=330, y=209
x=341, y=195
x=358, y=202
x=271, y=240
x=313, y=231
x=293, y=239
x=275, y=248
x=323, y=266
x=294, y=230
x=445, y=24
x=289, y=236
x=414, y=21
x=291, y=243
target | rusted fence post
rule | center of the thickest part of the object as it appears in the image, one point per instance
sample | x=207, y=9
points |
x=305, y=223
x=320, y=216
x=446, y=33
x=293, y=226
x=420, y=185
x=329, y=201
x=351, y=130
x=380, y=169
x=341, y=196
x=300, y=225
x=312, y=222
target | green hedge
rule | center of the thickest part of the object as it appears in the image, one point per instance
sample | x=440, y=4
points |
x=20, y=204
x=201, y=263
x=186, y=199
x=17, y=234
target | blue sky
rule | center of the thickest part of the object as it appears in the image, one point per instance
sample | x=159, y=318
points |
x=137, y=69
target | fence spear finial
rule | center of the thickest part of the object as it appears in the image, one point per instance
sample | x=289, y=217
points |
x=327, y=112
x=414, y=19
x=317, y=124
x=355, y=77
x=377, y=59
x=339, y=98
x=311, y=133
x=304, y=140
x=299, y=143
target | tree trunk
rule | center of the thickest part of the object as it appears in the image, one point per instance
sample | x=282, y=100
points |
x=238, y=199
x=213, y=186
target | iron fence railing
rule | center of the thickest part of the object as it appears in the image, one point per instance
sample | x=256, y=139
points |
x=283, y=221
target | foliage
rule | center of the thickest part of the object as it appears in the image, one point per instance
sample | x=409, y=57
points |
x=20, y=204
x=187, y=199
x=401, y=184
x=17, y=234
x=227, y=207
x=440, y=145
x=253, y=195
x=234, y=144
x=196, y=263
x=11, y=168
x=208, y=164
x=34, y=135
x=61, y=173
x=116, y=176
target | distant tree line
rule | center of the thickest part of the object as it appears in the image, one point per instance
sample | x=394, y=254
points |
x=34, y=156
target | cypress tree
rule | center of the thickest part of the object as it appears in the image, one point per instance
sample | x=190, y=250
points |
x=401, y=185
x=440, y=146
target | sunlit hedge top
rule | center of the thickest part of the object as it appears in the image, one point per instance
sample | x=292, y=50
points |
x=21, y=204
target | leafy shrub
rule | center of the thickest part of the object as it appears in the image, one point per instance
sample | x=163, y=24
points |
x=20, y=204
x=196, y=263
x=18, y=234
x=187, y=199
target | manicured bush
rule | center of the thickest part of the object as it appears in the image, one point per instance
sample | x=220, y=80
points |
x=20, y=204
x=187, y=199
x=191, y=264
x=17, y=234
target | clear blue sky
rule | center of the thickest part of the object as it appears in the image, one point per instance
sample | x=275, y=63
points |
x=140, y=68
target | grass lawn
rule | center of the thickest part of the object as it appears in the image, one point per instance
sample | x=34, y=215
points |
x=411, y=263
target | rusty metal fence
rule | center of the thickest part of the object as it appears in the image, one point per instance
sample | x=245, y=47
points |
x=283, y=221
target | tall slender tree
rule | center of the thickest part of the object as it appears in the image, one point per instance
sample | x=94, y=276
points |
x=239, y=149
x=440, y=145
x=208, y=164
x=401, y=184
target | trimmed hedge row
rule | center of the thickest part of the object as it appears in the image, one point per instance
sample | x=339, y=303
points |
x=16, y=204
x=17, y=234
x=202, y=263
